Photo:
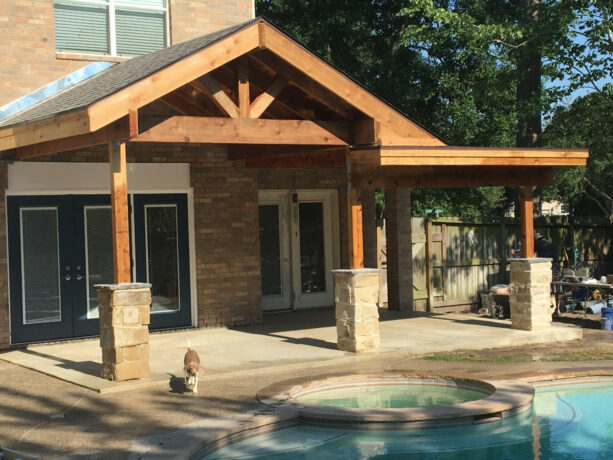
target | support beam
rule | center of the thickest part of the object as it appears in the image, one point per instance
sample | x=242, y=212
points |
x=263, y=101
x=449, y=176
x=221, y=98
x=246, y=131
x=244, y=99
x=527, y=222
x=120, y=130
x=354, y=221
x=119, y=212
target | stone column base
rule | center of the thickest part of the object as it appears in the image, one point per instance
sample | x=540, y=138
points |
x=530, y=298
x=356, y=295
x=124, y=331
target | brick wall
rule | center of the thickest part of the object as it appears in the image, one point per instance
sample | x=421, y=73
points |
x=192, y=18
x=27, y=42
x=226, y=225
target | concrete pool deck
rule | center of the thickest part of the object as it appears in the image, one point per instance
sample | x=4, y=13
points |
x=51, y=418
x=284, y=340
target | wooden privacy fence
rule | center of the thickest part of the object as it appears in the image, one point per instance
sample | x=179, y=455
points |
x=454, y=260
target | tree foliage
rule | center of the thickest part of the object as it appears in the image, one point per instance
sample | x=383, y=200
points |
x=452, y=65
x=587, y=122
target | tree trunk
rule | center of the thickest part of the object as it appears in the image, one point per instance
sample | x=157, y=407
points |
x=528, y=94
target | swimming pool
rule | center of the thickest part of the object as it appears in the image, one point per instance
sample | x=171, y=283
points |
x=571, y=421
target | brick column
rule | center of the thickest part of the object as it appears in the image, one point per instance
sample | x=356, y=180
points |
x=124, y=331
x=399, y=249
x=356, y=293
x=530, y=298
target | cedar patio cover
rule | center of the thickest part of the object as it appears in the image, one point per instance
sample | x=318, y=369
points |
x=276, y=104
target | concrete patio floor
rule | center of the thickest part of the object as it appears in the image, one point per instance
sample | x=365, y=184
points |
x=283, y=341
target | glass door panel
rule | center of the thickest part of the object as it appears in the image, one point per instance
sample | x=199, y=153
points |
x=313, y=243
x=98, y=253
x=312, y=249
x=162, y=257
x=275, y=251
x=40, y=265
x=161, y=242
x=270, y=250
x=40, y=269
x=92, y=258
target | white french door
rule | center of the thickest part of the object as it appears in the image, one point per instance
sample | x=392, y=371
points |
x=298, y=248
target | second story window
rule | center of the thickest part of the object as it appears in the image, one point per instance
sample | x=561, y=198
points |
x=110, y=27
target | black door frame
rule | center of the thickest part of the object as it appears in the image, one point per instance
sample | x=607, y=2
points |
x=181, y=318
x=73, y=289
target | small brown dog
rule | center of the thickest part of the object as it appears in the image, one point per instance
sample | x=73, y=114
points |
x=192, y=368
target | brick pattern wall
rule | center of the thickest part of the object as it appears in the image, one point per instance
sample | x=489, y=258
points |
x=27, y=41
x=27, y=47
x=192, y=18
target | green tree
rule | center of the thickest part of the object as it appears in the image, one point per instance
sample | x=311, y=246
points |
x=455, y=66
x=586, y=123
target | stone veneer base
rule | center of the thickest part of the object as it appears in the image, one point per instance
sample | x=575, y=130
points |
x=124, y=332
x=356, y=294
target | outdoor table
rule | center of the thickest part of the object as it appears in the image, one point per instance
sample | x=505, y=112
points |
x=557, y=288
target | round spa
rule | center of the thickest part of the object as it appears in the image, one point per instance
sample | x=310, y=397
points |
x=399, y=401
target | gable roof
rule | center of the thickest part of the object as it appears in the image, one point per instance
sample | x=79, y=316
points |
x=110, y=95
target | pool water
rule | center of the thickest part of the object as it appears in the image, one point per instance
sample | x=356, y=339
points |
x=566, y=422
x=392, y=396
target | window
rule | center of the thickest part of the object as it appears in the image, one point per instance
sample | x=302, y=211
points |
x=110, y=27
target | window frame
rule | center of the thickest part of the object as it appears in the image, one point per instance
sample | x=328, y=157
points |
x=111, y=7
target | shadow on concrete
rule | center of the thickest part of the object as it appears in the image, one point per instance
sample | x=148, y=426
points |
x=177, y=384
x=86, y=367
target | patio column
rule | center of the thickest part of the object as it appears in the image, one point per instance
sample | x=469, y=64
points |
x=399, y=249
x=356, y=293
x=119, y=212
x=527, y=222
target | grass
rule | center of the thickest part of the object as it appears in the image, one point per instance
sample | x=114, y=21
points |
x=475, y=358
x=586, y=356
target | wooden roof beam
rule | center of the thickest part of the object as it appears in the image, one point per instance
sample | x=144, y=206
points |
x=246, y=131
x=120, y=130
x=306, y=84
x=244, y=99
x=268, y=96
x=451, y=176
x=292, y=55
x=221, y=98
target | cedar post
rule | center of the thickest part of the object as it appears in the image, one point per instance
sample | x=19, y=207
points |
x=244, y=100
x=356, y=239
x=527, y=222
x=354, y=222
x=119, y=212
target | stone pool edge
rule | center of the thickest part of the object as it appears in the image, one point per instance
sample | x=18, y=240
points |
x=207, y=435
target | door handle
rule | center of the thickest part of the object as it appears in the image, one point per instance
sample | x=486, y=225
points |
x=67, y=277
x=79, y=277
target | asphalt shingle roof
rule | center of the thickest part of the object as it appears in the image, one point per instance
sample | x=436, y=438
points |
x=116, y=78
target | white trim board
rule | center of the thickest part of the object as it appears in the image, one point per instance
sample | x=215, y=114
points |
x=65, y=178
